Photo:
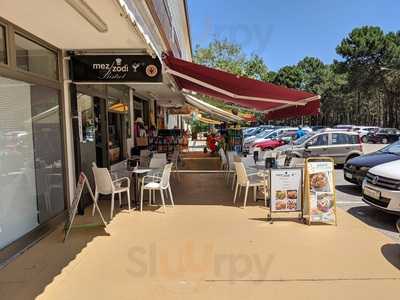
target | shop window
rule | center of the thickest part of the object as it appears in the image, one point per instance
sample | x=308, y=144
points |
x=31, y=168
x=87, y=120
x=35, y=58
x=3, y=52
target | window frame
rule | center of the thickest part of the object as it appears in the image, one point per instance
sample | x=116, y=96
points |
x=6, y=42
x=317, y=136
x=348, y=137
x=10, y=69
x=29, y=38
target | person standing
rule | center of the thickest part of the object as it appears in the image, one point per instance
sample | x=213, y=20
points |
x=300, y=132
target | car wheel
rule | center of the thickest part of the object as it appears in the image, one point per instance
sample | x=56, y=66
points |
x=364, y=139
x=384, y=141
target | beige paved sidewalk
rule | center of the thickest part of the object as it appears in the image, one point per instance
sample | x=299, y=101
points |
x=205, y=248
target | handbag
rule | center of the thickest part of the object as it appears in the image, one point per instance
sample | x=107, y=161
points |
x=142, y=141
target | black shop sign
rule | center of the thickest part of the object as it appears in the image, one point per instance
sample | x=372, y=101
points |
x=115, y=68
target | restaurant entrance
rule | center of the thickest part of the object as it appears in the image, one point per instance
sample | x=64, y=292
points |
x=102, y=126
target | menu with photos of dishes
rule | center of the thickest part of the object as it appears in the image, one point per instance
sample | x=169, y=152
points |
x=286, y=189
x=320, y=189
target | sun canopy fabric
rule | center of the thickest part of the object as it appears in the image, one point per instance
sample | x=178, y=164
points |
x=272, y=99
x=209, y=121
x=217, y=112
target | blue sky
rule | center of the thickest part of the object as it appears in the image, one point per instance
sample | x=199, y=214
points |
x=285, y=31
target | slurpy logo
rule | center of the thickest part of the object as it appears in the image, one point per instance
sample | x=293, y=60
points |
x=116, y=70
x=196, y=261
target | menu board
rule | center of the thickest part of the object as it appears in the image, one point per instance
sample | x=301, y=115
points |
x=82, y=181
x=321, y=191
x=286, y=188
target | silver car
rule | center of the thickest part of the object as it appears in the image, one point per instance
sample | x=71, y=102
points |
x=339, y=145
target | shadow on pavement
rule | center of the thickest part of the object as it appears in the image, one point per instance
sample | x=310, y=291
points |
x=28, y=276
x=374, y=217
x=349, y=189
x=392, y=254
x=278, y=219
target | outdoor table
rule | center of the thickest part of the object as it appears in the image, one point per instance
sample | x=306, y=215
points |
x=136, y=174
x=264, y=173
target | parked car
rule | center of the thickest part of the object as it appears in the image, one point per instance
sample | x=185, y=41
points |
x=344, y=127
x=356, y=169
x=384, y=136
x=363, y=131
x=248, y=141
x=274, y=134
x=340, y=145
x=316, y=128
x=249, y=131
x=280, y=140
x=268, y=136
x=381, y=187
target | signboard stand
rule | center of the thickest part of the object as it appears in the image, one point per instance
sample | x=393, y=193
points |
x=319, y=190
x=286, y=192
x=82, y=182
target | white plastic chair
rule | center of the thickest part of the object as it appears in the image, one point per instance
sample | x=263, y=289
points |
x=144, y=158
x=175, y=161
x=231, y=167
x=249, y=180
x=160, y=156
x=106, y=186
x=267, y=153
x=280, y=161
x=296, y=162
x=236, y=158
x=157, y=184
x=157, y=163
x=224, y=161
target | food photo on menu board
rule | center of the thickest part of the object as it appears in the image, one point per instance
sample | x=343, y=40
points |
x=322, y=202
x=286, y=190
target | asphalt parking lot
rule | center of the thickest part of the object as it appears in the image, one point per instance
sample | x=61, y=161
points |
x=349, y=198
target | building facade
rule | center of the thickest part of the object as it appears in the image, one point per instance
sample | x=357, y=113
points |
x=56, y=117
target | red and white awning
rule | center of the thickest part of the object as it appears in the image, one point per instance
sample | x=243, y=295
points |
x=276, y=101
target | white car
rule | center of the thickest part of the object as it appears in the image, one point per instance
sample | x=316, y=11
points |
x=344, y=127
x=381, y=187
x=363, y=131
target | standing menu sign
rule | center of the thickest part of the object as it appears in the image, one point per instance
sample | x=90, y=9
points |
x=320, y=190
x=82, y=181
x=286, y=190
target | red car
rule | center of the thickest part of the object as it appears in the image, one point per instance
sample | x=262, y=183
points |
x=275, y=143
x=270, y=144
